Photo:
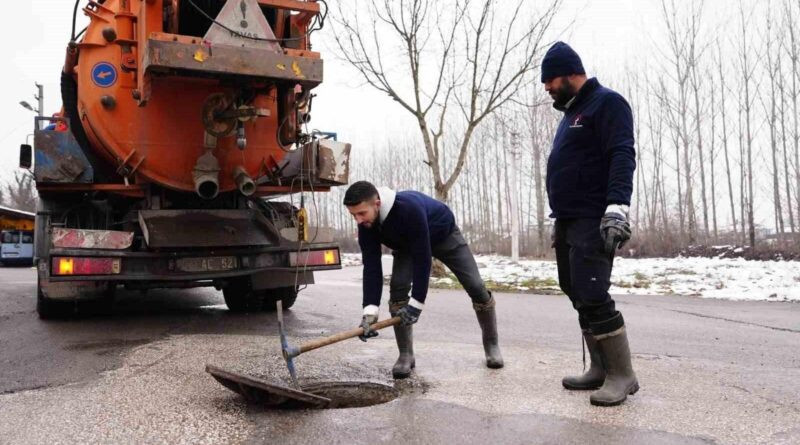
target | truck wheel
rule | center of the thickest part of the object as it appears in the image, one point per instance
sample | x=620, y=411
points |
x=287, y=295
x=240, y=297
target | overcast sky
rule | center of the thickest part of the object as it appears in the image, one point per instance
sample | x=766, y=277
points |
x=35, y=33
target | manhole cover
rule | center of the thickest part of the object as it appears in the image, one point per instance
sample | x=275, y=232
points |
x=320, y=395
x=352, y=394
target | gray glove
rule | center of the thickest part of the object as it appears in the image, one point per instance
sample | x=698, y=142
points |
x=366, y=321
x=409, y=314
x=614, y=228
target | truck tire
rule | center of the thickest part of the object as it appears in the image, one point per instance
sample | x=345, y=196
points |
x=240, y=297
x=287, y=295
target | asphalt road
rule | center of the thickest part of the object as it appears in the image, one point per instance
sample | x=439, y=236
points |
x=711, y=371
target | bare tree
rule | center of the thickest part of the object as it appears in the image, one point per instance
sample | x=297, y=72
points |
x=20, y=192
x=770, y=106
x=723, y=87
x=792, y=48
x=747, y=96
x=461, y=59
x=682, y=34
x=713, y=155
x=539, y=135
x=693, y=56
x=788, y=21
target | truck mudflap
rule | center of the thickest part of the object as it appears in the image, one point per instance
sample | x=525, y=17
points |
x=177, y=265
x=173, y=229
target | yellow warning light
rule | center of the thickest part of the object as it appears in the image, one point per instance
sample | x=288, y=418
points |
x=330, y=257
x=65, y=266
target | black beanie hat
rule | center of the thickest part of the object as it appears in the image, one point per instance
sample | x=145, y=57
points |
x=561, y=60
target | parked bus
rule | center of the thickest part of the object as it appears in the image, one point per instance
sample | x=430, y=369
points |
x=16, y=247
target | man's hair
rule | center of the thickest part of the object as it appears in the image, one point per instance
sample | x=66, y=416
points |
x=359, y=192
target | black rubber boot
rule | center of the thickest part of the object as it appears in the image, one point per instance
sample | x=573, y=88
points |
x=488, y=321
x=403, y=335
x=594, y=377
x=620, y=379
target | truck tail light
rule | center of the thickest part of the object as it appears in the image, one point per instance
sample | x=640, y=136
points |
x=328, y=257
x=86, y=266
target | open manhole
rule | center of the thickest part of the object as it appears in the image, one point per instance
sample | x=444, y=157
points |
x=352, y=394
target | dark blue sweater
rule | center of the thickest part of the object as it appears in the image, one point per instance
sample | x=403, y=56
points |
x=593, y=158
x=414, y=224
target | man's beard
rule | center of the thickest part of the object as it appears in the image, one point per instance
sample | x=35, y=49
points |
x=563, y=95
x=370, y=224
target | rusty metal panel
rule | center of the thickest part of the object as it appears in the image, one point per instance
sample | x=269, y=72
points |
x=333, y=161
x=59, y=158
x=206, y=228
x=91, y=239
x=229, y=60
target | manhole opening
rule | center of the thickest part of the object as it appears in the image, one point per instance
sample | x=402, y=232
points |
x=352, y=394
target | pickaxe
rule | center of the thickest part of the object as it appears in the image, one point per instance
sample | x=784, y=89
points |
x=290, y=352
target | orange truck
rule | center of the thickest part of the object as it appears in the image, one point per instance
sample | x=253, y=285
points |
x=182, y=134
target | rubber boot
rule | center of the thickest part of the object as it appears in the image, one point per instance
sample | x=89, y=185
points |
x=620, y=379
x=488, y=321
x=594, y=377
x=403, y=335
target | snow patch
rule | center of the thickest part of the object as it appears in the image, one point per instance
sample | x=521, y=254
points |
x=724, y=278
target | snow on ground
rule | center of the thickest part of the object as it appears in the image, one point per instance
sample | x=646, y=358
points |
x=727, y=278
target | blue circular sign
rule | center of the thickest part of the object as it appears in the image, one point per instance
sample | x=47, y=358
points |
x=104, y=74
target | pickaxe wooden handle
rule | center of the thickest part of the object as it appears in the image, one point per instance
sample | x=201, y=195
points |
x=293, y=351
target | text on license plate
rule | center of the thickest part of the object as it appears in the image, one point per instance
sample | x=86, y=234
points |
x=206, y=264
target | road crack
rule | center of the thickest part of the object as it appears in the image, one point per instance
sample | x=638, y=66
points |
x=714, y=317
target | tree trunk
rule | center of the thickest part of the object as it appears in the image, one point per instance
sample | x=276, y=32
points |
x=712, y=158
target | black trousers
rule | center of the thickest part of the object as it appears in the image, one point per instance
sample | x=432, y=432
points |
x=455, y=254
x=584, y=273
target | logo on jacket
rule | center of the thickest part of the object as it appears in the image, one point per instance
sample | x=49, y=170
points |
x=577, y=122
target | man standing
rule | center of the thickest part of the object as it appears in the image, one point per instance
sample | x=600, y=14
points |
x=589, y=185
x=416, y=227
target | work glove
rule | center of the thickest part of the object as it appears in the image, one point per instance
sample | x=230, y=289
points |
x=553, y=237
x=409, y=314
x=366, y=321
x=614, y=227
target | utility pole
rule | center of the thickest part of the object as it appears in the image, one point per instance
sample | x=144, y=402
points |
x=40, y=98
x=514, y=197
x=40, y=110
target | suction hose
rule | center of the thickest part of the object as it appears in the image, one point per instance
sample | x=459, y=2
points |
x=206, y=176
x=244, y=182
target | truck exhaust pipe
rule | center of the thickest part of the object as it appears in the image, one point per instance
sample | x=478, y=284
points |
x=244, y=182
x=206, y=176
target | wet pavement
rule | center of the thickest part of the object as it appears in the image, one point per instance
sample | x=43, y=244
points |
x=711, y=371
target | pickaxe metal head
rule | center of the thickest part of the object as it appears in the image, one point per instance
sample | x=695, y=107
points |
x=290, y=352
x=285, y=348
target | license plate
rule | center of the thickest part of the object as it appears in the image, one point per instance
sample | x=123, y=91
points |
x=206, y=264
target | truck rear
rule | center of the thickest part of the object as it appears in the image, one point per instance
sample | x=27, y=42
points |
x=181, y=136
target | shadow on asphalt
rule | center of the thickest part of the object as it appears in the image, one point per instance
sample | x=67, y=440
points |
x=168, y=311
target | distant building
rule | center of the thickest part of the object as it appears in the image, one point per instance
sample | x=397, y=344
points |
x=13, y=219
